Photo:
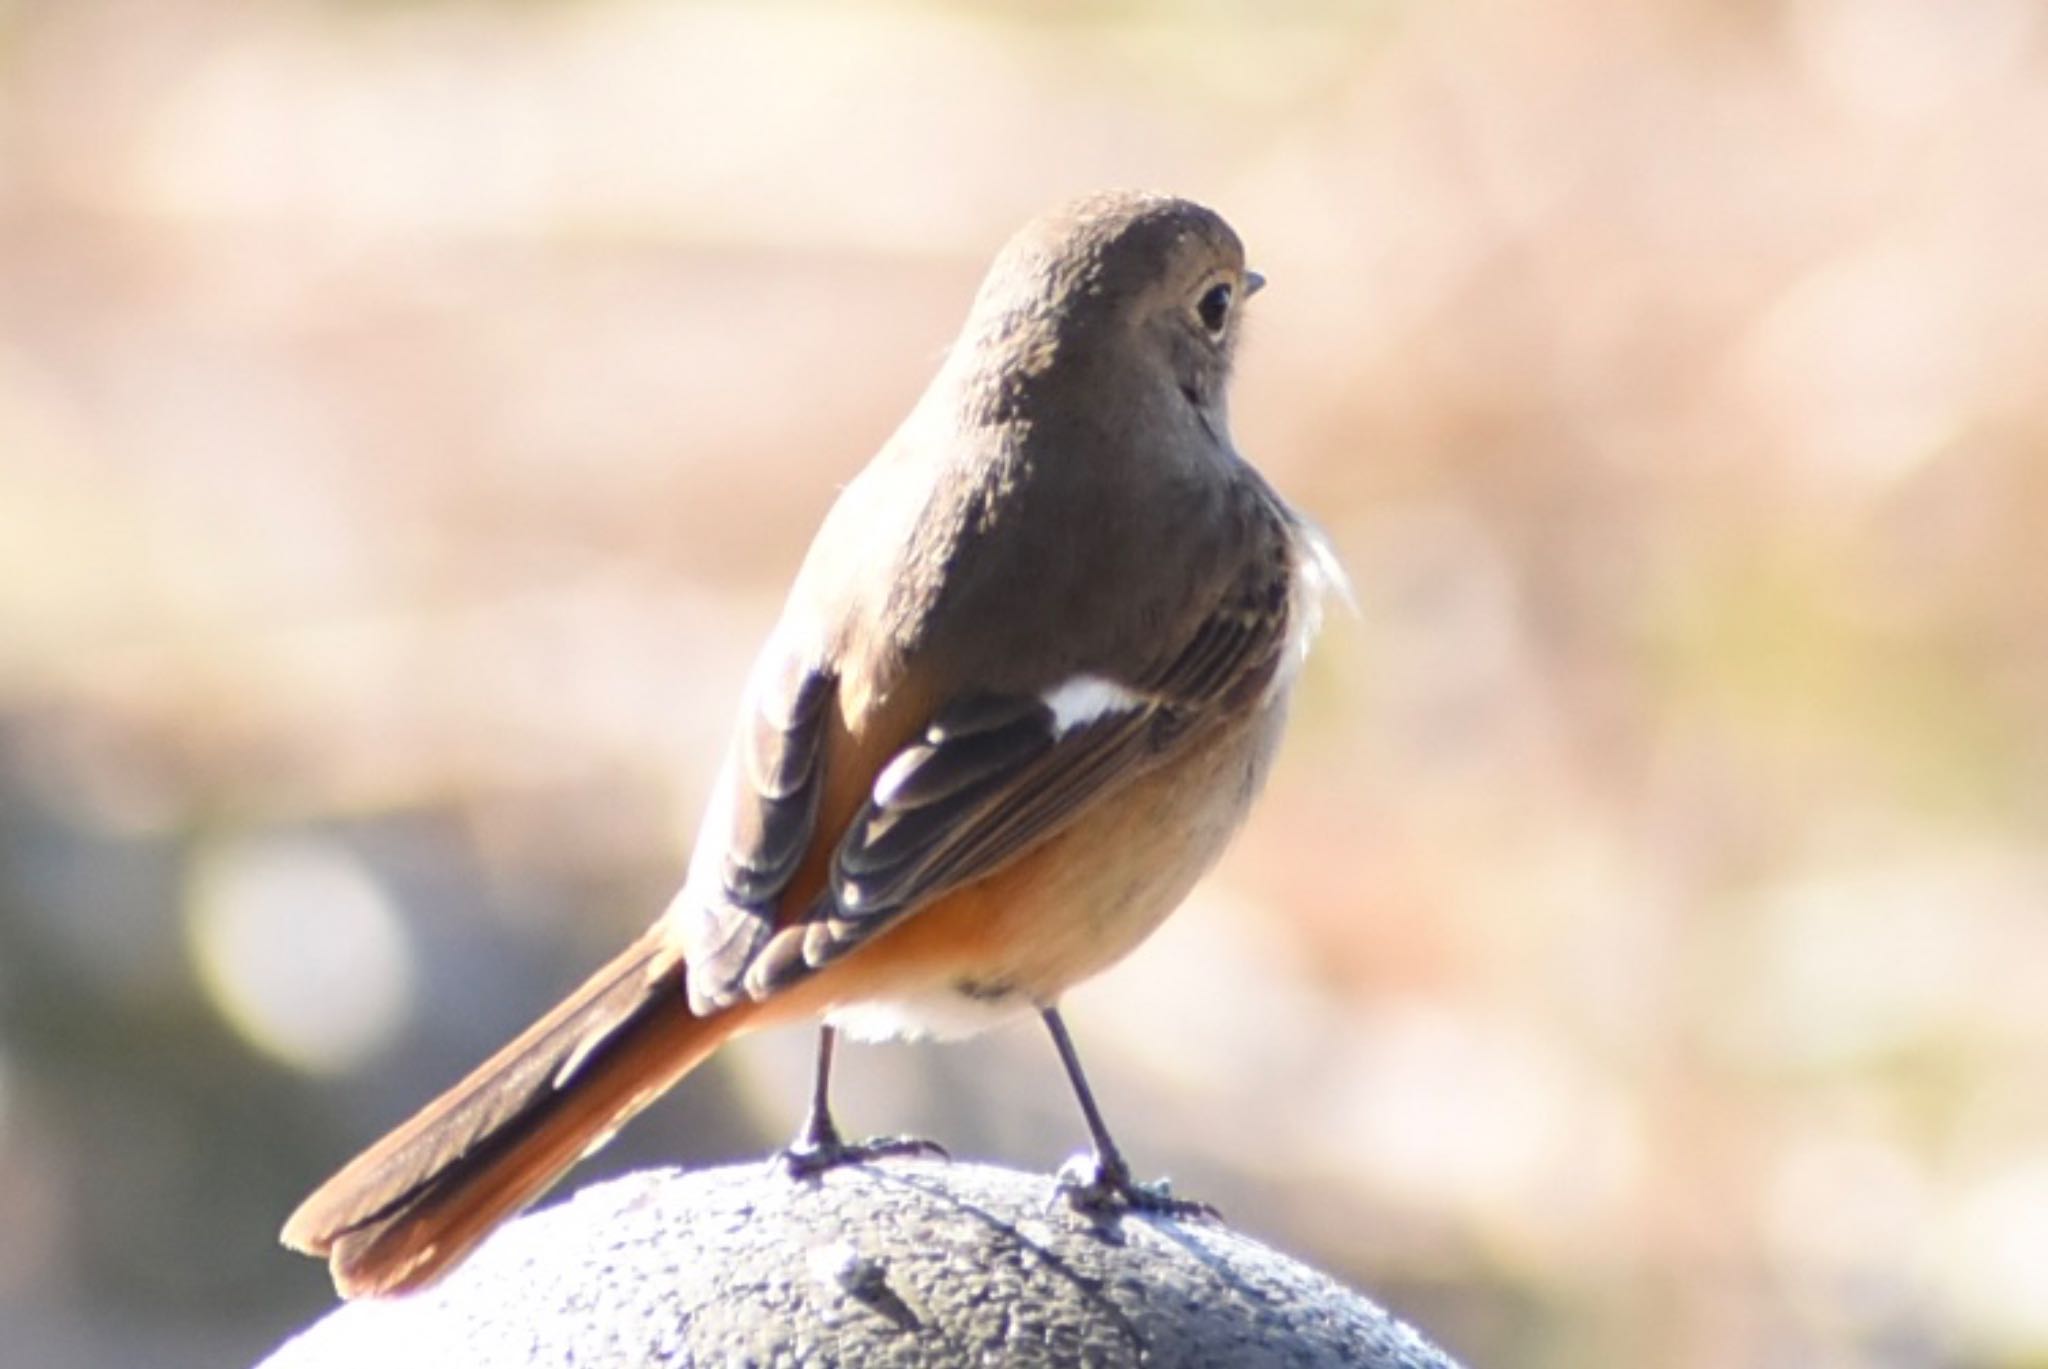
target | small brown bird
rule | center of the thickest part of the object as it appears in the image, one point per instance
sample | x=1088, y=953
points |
x=1024, y=689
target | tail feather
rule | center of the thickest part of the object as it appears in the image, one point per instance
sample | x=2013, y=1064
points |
x=401, y=1213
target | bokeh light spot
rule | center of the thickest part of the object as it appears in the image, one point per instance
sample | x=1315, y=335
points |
x=1994, y=1264
x=301, y=950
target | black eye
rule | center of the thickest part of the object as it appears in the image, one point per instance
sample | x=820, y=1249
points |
x=1215, y=307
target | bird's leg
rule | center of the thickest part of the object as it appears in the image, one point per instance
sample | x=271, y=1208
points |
x=819, y=1132
x=818, y=1145
x=1101, y=1184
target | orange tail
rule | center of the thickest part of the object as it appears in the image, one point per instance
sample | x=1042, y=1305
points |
x=410, y=1207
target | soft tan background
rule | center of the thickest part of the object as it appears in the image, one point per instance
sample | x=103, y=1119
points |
x=410, y=414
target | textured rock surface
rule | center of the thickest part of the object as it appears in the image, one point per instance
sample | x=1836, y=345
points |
x=900, y=1264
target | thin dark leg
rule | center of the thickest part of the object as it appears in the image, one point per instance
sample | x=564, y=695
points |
x=818, y=1145
x=1107, y=1156
x=819, y=1132
x=1106, y=1185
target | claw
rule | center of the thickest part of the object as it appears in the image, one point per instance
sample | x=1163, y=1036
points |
x=1101, y=1191
x=807, y=1159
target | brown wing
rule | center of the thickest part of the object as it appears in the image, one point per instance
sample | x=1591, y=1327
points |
x=993, y=775
x=761, y=825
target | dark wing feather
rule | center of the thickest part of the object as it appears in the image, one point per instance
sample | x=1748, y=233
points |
x=993, y=776
x=763, y=817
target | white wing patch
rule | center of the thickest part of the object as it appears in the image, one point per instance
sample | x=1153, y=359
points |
x=1084, y=698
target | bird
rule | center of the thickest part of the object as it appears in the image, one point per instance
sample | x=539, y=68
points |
x=1030, y=675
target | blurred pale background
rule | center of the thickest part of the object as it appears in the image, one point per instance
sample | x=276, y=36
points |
x=410, y=414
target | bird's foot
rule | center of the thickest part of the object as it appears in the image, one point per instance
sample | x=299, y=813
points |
x=820, y=1148
x=1100, y=1190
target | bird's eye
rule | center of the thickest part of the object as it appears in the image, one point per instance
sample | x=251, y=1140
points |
x=1214, y=307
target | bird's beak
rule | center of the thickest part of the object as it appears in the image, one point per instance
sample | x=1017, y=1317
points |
x=1253, y=283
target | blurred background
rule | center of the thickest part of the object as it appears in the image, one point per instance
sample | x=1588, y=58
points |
x=411, y=414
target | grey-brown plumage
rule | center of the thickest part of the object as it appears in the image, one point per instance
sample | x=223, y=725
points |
x=1075, y=441
x=1024, y=688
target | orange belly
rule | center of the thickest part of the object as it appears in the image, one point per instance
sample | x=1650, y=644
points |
x=1068, y=909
